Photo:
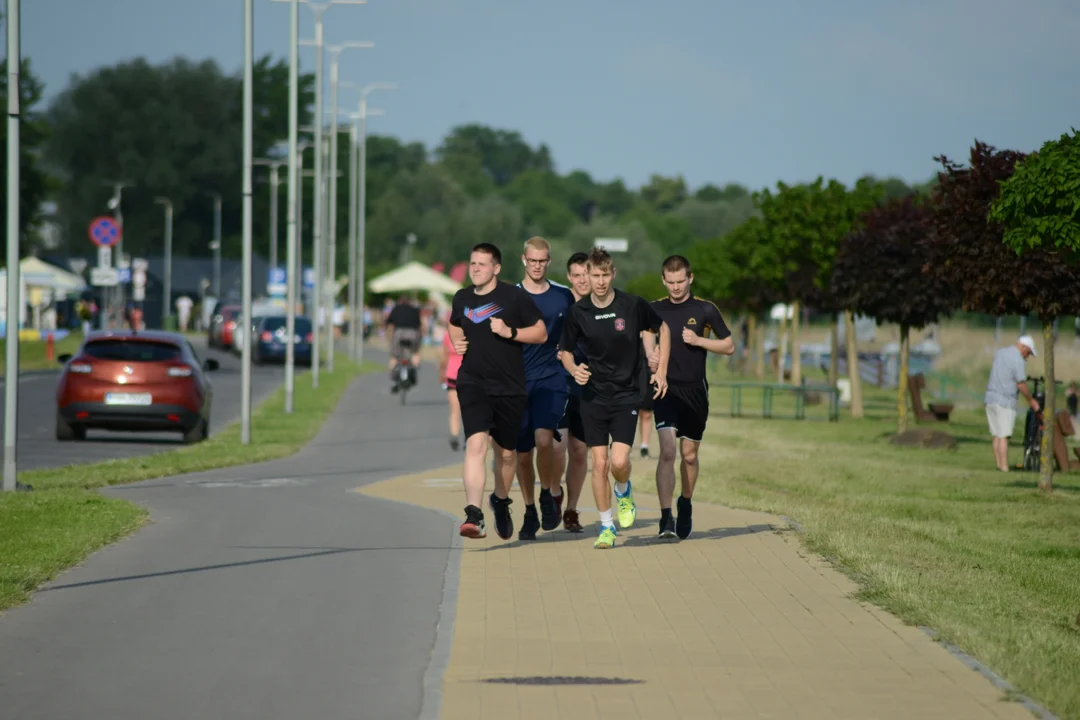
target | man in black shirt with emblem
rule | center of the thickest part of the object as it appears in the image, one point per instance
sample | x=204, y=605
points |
x=684, y=411
x=488, y=323
x=615, y=379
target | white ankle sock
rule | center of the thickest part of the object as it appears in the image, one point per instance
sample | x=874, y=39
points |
x=621, y=488
x=557, y=494
x=605, y=519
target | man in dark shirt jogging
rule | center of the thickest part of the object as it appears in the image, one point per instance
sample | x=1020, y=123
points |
x=488, y=323
x=615, y=380
x=683, y=413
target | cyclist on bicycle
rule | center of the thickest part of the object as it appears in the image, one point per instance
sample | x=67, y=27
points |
x=403, y=328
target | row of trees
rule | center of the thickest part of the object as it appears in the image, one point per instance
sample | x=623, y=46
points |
x=174, y=130
x=998, y=236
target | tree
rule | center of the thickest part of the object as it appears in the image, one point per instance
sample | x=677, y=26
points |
x=499, y=155
x=172, y=130
x=878, y=271
x=1039, y=210
x=729, y=271
x=34, y=184
x=804, y=224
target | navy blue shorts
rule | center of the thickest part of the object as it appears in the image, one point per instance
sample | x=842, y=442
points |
x=544, y=411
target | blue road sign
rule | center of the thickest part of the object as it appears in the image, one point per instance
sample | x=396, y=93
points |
x=124, y=274
x=309, y=278
x=104, y=232
x=276, y=276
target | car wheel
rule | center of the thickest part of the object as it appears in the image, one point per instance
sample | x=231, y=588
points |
x=196, y=434
x=66, y=433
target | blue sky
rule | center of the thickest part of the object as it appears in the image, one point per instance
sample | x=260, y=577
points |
x=717, y=91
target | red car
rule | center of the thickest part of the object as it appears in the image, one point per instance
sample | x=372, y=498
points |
x=137, y=381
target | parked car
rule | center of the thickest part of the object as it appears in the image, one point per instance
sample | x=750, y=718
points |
x=270, y=340
x=134, y=381
x=259, y=310
x=222, y=326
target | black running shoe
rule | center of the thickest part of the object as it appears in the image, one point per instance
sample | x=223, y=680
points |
x=549, y=511
x=504, y=524
x=684, y=524
x=455, y=443
x=667, y=527
x=644, y=451
x=473, y=527
x=529, y=524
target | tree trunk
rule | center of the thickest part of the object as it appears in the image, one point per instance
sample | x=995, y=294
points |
x=1046, y=452
x=781, y=346
x=853, y=366
x=751, y=342
x=834, y=352
x=902, y=383
x=759, y=352
x=796, y=350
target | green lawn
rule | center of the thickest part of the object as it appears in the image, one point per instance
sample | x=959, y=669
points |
x=32, y=352
x=63, y=520
x=940, y=538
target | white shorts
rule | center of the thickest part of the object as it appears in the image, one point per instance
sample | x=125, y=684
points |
x=1002, y=420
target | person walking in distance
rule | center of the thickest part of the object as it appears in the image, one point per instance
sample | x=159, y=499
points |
x=489, y=322
x=1008, y=377
x=682, y=414
x=545, y=381
x=449, y=365
x=577, y=454
x=403, y=325
x=614, y=379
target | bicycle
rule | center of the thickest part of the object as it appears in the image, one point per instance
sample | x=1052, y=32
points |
x=1034, y=425
x=404, y=373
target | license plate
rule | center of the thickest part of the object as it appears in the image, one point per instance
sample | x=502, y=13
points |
x=128, y=399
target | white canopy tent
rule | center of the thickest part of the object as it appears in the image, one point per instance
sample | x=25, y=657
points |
x=414, y=276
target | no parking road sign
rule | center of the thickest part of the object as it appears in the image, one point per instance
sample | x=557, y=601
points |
x=104, y=232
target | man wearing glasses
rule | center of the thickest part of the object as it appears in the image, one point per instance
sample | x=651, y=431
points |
x=545, y=379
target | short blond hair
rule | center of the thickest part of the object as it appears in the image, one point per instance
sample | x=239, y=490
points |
x=537, y=243
x=600, y=259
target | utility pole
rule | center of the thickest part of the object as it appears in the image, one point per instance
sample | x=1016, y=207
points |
x=245, y=271
x=166, y=295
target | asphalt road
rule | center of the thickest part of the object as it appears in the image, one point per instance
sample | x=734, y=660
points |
x=270, y=591
x=38, y=447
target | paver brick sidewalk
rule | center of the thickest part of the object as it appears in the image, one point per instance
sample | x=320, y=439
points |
x=736, y=622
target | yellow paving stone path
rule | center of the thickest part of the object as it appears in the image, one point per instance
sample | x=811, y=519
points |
x=736, y=622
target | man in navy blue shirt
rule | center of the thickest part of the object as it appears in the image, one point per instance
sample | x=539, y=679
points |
x=545, y=379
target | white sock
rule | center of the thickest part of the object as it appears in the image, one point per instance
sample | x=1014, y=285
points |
x=644, y=446
x=605, y=519
x=621, y=488
x=557, y=492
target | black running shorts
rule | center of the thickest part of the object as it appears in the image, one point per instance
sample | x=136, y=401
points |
x=684, y=409
x=571, y=419
x=498, y=415
x=604, y=424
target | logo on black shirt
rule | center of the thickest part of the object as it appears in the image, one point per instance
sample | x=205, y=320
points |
x=620, y=324
x=482, y=313
x=691, y=321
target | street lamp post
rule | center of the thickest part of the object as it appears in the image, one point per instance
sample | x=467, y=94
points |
x=245, y=262
x=275, y=183
x=331, y=264
x=115, y=297
x=359, y=243
x=166, y=295
x=290, y=207
x=216, y=246
x=11, y=368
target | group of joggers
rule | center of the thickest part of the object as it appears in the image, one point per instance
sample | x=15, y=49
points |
x=541, y=370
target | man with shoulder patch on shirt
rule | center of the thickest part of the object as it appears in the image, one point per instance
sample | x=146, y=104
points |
x=615, y=378
x=1008, y=376
x=683, y=413
x=488, y=324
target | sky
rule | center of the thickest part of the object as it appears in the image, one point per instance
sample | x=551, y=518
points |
x=716, y=91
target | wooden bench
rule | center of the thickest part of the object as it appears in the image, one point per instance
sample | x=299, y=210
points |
x=937, y=411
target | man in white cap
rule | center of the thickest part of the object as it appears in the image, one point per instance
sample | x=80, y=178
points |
x=1007, y=378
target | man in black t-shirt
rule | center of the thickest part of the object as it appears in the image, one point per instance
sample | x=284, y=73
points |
x=488, y=323
x=684, y=411
x=615, y=379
